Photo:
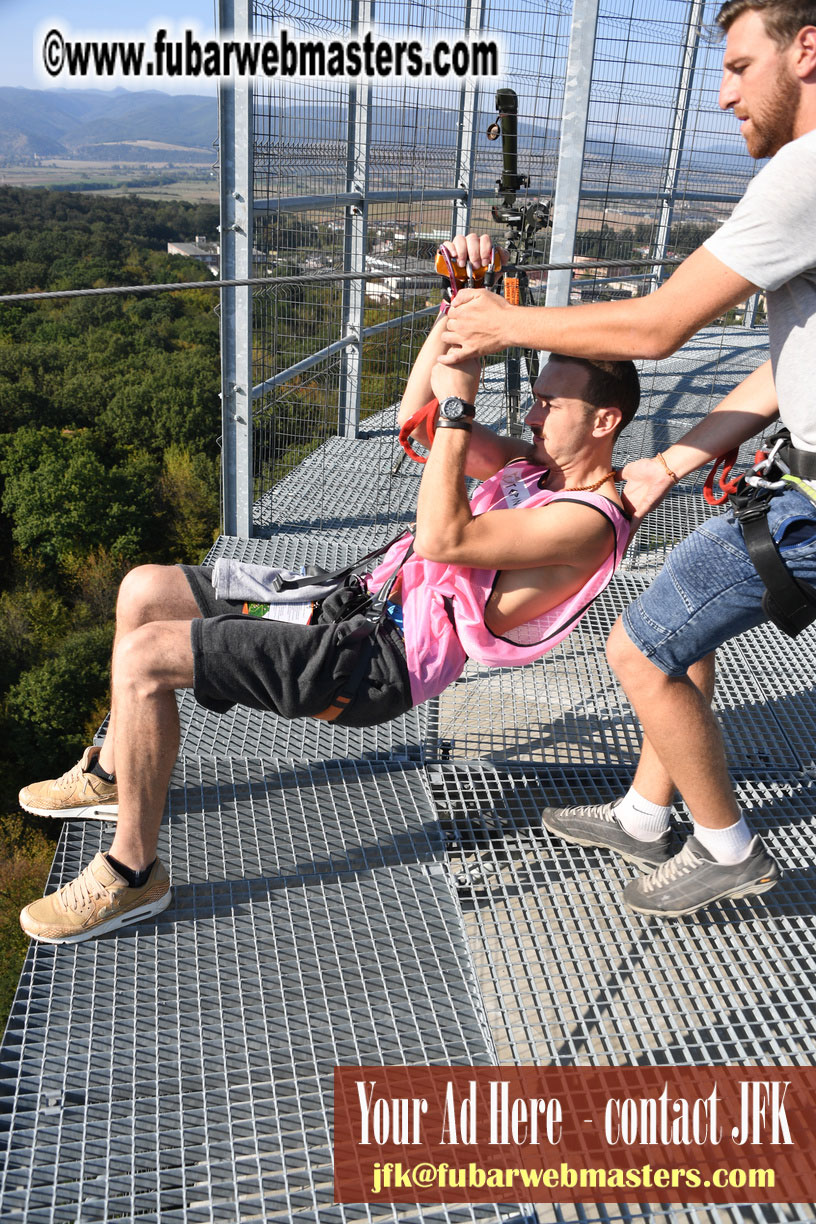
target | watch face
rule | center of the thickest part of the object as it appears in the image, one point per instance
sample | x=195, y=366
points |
x=455, y=409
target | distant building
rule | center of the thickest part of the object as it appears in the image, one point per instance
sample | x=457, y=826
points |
x=609, y=290
x=209, y=253
x=205, y=252
x=394, y=288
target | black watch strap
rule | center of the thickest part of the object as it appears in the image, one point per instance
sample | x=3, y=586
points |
x=444, y=423
x=457, y=408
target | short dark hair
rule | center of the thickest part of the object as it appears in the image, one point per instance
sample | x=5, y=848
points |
x=610, y=384
x=783, y=19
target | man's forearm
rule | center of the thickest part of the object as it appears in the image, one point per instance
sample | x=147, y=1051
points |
x=700, y=290
x=443, y=509
x=743, y=413
x=602, y=331
x=418, y=387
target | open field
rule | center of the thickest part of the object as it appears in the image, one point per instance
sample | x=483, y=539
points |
x=194, y=182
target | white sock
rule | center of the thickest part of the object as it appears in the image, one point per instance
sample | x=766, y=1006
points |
x=642, y=819
x=729, y=846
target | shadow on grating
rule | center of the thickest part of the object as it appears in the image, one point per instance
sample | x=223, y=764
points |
x=569, y=976
x=182, y=1069
x=568, y=708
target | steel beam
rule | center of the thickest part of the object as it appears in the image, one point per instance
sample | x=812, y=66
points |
x=235, y=129
x=466, y=127
x=408, y=195
x=574, y=117
x=751, y=307
x=355, y=240
x=694, y=23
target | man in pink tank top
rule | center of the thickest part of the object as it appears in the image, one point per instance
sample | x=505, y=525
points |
x=501, y=579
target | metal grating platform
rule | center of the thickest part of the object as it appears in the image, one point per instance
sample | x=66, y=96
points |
x=181, y=1070
x=569, y=976
x=346, y=896
x=568, y=709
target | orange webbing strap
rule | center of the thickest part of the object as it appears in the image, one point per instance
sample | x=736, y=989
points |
x=426, y=414
x=334, y=711
x=728, y=486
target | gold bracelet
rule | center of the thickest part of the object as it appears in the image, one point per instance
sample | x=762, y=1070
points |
x=669, y=472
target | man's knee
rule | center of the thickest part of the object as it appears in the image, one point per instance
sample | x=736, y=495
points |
x=142, y=592
x=622, y=654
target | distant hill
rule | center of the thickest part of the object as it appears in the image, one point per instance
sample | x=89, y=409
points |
x=123, y=125
x=102, y=124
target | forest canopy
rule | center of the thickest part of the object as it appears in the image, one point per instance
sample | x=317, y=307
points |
x=109, y=424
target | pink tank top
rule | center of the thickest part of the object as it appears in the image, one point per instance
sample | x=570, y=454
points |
x=444, y=604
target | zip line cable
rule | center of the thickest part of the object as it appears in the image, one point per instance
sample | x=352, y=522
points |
x=315, y=278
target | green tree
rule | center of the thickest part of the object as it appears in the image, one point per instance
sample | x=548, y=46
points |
x=61, y=497
x=51, y=711
x=189, y=490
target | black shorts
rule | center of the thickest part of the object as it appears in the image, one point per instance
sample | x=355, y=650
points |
x=295, y=670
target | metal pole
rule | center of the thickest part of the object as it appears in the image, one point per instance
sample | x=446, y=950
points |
x=571, y=149
x=236, y=160
x=751, y=307
x=355, y=240
x=466, y=138
x=694, y=25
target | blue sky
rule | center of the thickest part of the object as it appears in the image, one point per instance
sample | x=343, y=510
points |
x=21, y=19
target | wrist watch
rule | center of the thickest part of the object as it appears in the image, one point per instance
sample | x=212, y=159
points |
x=455, y=409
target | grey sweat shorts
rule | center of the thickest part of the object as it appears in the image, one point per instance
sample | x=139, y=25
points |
x=294, y=670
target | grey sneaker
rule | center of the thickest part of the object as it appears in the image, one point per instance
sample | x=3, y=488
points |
x=693, y=879
x=596, y=824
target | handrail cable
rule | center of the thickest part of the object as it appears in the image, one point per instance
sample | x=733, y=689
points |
x=308, y=278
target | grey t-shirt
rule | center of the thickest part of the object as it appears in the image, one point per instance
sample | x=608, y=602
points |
x=770, y=239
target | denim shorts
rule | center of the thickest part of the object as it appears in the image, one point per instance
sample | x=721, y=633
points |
x=708, y=591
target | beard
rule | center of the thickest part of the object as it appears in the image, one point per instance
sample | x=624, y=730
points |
x=773, y=124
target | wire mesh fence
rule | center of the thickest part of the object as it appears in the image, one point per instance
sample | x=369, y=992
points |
x=370, y=178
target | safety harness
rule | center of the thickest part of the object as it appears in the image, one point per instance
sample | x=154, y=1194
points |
x=374, y=609
x=789, y=602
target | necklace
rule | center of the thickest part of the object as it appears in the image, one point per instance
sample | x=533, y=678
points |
x=590, y=488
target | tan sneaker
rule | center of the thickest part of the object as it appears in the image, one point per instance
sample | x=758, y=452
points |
x=98, y=900
x=77, y=795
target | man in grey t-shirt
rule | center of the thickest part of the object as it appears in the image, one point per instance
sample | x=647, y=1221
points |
x=663, y=646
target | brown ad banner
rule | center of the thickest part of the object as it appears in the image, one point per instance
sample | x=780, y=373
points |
x=674, y=1134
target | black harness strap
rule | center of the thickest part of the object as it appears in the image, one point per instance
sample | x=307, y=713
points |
x=375, y=616
x=788, y=602
x=801, y=463
x=315, y=575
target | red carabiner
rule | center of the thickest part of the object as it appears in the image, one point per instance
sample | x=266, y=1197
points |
x=728, y=486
